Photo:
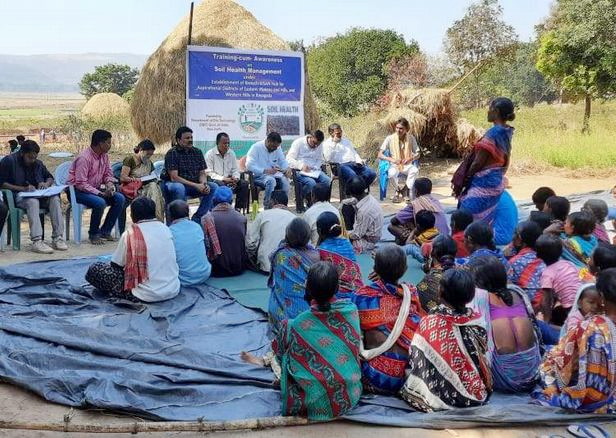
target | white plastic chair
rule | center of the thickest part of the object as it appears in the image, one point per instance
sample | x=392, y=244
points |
x=75, y=210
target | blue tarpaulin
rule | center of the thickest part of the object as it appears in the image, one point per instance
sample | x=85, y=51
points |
x=175, y=360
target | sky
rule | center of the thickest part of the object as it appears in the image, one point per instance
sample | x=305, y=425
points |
x=139, y=26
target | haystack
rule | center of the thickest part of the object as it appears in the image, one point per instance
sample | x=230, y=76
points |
x=105, y=106
x=434, y=122
x=467, y=134
x=158, y=106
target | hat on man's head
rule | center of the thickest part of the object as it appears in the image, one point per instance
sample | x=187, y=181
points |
x=223, y=194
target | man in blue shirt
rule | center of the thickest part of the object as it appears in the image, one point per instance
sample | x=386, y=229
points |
x=189, y=245
x=266, y=161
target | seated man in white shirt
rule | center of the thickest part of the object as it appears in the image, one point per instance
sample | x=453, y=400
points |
x=306, y=155
x=267, y=230
x=266, y=161
x=320, y=204
x=338, y=149
x=143, y=266
x=224, y=170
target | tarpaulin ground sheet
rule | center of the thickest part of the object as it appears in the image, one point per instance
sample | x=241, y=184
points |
x=175, y=360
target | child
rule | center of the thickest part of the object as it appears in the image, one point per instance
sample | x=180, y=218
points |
x=604, y=257
x=423, y=233
x=588, y=302
x=558, y=208
x=541, y=195
x=559, y=281
x=525, y=268
x=540, y=218
x=578, y=240
x=599, y=210
x=404, y=221
x=460, y=220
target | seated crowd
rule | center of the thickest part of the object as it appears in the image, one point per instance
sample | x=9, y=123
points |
x=536, y=316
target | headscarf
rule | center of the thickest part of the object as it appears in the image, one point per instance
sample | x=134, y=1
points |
x=222, y=194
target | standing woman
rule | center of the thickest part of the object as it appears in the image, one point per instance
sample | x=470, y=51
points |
x=484, y=180
x=398, y=154
x=139, y=165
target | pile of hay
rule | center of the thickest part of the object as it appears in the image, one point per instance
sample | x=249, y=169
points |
x=158, y=106
x=434, y=122
x=105, y=106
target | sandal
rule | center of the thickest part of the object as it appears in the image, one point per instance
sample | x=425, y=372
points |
x=109, y=238
x=396, y=199
x=96, y=241
x=588, y=431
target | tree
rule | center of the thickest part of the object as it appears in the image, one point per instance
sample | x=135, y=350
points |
x=514, y=76
x=348, y=72
x=480, y=35
x=577, y=50
x=108, y=78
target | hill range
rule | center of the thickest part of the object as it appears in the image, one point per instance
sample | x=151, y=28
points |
x=55, y=73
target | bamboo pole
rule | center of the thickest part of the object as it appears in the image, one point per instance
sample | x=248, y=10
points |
x=190, y=23
x=464, y=77
x=162, y=426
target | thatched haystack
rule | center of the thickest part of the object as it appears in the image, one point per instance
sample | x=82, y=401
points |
x=105, y=106
x=433, y=118
x=158, y=105
x=467, y=135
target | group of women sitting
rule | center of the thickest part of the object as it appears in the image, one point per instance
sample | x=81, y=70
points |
x=465, y=331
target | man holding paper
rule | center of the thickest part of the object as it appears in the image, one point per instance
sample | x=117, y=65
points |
x=266, y=161
x=24, y=174
x=306, y=155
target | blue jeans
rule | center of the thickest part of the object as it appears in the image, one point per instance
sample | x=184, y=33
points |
x=351, y=170
x=308, y=183
x=98, y=204
x=175, y=190
x=269, y=183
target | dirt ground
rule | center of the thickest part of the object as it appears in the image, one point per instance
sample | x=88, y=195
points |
x=20, y=406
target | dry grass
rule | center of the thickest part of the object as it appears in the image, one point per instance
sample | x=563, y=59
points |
x=467, y=135
x=158, y=106
x=106, y=105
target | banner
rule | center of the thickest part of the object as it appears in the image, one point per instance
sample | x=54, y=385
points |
x=245, y=93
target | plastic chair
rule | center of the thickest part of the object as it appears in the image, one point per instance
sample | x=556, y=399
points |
x=75, y=210
x=14, y=220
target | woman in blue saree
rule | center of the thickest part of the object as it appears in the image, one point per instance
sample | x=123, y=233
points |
x=290, y=265
x=484, y=181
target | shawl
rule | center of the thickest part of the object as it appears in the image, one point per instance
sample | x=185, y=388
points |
x=579, y=372
x=212, y=243
x=136, y=268
x=319, y=356
x=447, y=363
x=578, y=249
x=337, y=251
x=400, y=153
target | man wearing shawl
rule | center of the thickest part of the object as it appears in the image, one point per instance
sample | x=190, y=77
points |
x=398, y=154
x=225, y=236
x=143, y=266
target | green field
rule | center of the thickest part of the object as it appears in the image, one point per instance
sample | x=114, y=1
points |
x=550, y=135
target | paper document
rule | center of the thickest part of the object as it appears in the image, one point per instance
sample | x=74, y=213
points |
x=147, y=178
x=45, y=193
x=312, y=174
